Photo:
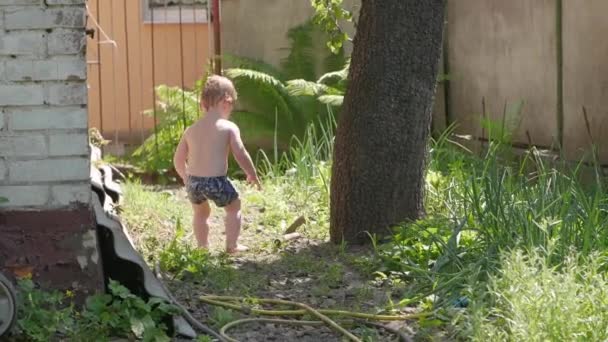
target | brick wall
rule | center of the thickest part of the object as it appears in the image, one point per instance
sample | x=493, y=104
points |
x=44, y=149
x=47, y=228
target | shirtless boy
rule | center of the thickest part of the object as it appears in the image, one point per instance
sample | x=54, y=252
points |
x=201, y=160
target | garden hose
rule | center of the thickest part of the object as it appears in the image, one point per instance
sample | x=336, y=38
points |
x=187, y=315
x=224, y=330
x=322, y=314
x=223, y=301
x=263, y=320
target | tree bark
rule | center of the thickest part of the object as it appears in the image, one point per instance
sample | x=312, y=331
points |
x=383, y=129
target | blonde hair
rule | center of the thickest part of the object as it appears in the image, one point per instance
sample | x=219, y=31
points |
x=217, y=88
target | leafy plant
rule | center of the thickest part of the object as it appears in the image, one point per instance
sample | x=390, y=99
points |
x=45, y=315
x=276, y=102
x=176, y=109
x=41, y=314
x=184, y=261
x=478, y=207
x=220, y=316
x=180, y=258
x=530, y=299
x=96, y=139
x=328, y=15
x=121, y=313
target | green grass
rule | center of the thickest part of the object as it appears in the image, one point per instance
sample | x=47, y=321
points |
x=479, y=208
x=151, y=216
x=531, y=300
x=464, y=262
x=50, y=316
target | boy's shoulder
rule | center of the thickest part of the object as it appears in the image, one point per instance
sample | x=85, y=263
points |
x=227, y=124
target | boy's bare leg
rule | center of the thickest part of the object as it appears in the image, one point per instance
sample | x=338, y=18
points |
x=200, y=223
x=233, y=226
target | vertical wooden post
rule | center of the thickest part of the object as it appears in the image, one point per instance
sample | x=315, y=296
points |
x=560, y=74
x=217, y=51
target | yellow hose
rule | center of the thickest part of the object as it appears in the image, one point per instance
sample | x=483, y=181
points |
x=229, y=302
x=222, y=301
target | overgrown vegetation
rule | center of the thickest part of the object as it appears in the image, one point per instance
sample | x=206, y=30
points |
x=176, y=109
x=46, y=316
x=530, y=299
x=284, y=101
x=481, y=207
x=513, y=246
x=466, y=263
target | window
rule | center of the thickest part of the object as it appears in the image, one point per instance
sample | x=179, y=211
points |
x=168, y=11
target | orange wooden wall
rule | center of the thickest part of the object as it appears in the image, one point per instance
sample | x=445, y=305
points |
x=120, y=78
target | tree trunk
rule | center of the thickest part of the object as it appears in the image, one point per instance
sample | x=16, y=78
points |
x=381, y=141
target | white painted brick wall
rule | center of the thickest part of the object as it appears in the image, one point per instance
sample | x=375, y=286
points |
x=21, y=95
x=70, y=144
x=25, y=195
x=67, y=94
x=49, y=170
x=65, y=2
x=62, y=195
x=44, y=150
x=47, y=118
x=70, y=68
x=42, y=18
x=66, y=42
x=3, y=170
x=23, y=43
x=20, y=2
x=30, y=145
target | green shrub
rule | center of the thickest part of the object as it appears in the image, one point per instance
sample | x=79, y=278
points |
x=44, y=316
x=176, y=109
x=529, y=299
x=478, y=207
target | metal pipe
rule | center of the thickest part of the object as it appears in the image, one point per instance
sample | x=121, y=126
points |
x=217, y=51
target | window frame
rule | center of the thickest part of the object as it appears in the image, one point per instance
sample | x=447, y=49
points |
x=171, y=14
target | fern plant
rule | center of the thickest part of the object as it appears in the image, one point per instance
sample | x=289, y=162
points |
x=276, y=104
x=176, y=109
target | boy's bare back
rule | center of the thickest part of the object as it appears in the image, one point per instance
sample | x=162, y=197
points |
x=201, y=160
x=208, y=143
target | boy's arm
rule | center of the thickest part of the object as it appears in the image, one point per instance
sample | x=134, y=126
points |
x=180, y=157
x=241, y=155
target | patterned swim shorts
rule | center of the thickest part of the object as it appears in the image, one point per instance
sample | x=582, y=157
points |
x=217, y=189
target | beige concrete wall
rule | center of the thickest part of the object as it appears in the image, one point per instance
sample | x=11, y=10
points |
x=258, y=29
x=585, y=75
x=504, y=51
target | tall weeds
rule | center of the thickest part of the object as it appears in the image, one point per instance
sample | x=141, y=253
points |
x=480, y=207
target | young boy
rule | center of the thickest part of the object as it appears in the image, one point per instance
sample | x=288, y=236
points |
x=201, y=160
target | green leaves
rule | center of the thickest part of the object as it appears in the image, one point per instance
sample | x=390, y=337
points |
x=328, y=14
x=180, y=258
x=175, y=110
x=43, y=315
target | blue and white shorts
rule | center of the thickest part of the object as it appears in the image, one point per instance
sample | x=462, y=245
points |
x=217, y=189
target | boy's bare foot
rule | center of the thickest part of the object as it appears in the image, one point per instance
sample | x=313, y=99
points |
x=237, y=249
